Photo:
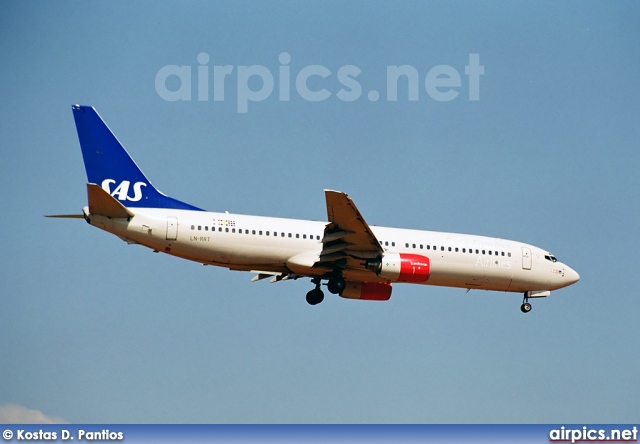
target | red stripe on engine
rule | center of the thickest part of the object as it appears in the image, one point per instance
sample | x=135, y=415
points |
x=414, y=268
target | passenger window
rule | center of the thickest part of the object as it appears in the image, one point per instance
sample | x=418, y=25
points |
x=289, y=234
x=483, y=252
x=193, y=227
x=489, y=252
x=456, y=249
x=509, y=254
x=441, y=248
x=260, y=232
x=317, y=237
x=428, y=247
x=393, y=244
x=421, y=246
x=304, y=236
x=503, y=253
x=406, y=245
x=414, y=245
x=449, y=248
x=297, y=236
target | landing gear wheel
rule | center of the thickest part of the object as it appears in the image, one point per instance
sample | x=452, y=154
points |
x=315, y=296
x=336, y=285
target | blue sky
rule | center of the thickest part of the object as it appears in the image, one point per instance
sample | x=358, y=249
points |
x=93, y=330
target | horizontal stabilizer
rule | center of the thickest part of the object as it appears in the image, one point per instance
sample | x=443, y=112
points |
x=66, y=216
x=102, y=203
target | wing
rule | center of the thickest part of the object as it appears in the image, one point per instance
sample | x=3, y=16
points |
x=347, y=235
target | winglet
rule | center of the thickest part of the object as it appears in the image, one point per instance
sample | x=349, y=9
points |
x=102, y=203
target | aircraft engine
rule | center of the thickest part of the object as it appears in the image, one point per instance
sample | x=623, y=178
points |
x=402, y=267
x=367, y=291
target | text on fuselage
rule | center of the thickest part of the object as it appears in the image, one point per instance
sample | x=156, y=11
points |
x=199, y=238
x=492, y=263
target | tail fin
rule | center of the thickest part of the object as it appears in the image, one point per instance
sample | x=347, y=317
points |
x=109, y=165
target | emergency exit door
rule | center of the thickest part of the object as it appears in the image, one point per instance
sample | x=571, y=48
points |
x=526, y=258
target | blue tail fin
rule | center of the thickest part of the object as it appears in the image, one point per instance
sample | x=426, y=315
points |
x=109, y=165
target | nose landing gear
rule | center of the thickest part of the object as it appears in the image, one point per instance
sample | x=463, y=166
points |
x=526, y=306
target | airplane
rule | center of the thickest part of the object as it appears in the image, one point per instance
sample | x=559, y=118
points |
x=357, y=260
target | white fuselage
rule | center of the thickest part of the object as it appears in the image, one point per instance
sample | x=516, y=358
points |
x=277, y=245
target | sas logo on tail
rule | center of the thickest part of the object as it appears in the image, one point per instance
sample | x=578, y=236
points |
x=121, y=192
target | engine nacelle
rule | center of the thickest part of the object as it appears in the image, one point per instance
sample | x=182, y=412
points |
x=402, y=267
x=367, y=291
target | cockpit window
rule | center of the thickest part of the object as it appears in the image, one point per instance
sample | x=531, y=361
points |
x=550, y=257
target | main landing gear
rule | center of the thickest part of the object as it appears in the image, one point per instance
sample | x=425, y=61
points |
x=335, y=286
x=526, y=306
x=315, y=296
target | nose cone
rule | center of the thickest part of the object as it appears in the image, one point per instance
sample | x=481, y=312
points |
x=571, y=276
